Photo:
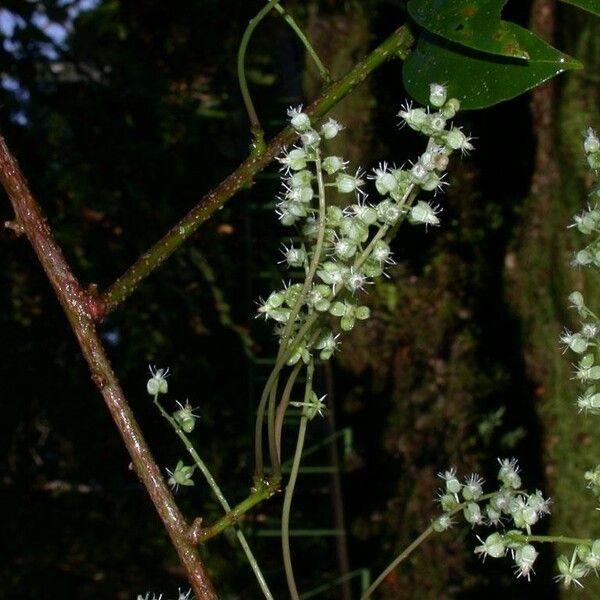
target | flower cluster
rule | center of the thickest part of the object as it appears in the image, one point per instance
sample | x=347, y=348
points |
x=342, y=250
x=508, y=506
x=183, y=418
x=180, y=596
x=586, y=556
x=585, y=341
x=584, y=560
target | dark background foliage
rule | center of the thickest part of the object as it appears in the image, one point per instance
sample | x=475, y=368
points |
x=122, y=118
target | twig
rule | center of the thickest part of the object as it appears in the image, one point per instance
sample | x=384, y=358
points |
x=396, y=45
x=82, y=309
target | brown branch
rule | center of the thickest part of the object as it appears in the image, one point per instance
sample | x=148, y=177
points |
x=396, y=45
x=82, y=309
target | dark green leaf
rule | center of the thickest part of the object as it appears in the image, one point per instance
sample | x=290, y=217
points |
x=472, y=23
x=479, y=79
x=592, y=6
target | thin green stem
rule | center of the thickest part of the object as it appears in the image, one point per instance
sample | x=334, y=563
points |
x=234, y=514
x=323, y=71
x=273, y=454
x=283, y=404
x=417, y=542
x=549, y=539
x=404, y=554
x=241, y=70
x=396, y=46
x=260, y=417
x=289, y=490
x=231, y=516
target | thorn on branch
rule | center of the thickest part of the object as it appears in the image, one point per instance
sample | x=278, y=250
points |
x=15, y=226
x=99, y=380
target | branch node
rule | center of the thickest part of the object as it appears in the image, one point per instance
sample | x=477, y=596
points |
x=95, y=305
x=195, y=531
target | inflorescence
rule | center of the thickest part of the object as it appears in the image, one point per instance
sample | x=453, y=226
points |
x=508, y=507
x=343, y=250
x=585, y=558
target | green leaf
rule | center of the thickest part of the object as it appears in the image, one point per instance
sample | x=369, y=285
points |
x=472, y=23
x=478, y=79
x=592, y=6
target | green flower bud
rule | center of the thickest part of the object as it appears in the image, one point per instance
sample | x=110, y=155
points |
x=299, y=120
x=493, y=546
x=348, y=183
x=437, y=95
x=451, y=108
x=388, y=212
x=330, y=129
x=334, y=215
x=362, y=313
x=347, y=323
x=181, y=475
x=442, y=523
x=333, y=164
x=185, y=417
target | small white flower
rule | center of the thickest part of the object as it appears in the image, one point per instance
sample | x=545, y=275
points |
x=180, y=475
x=333, y=164
x=294, y=257
x=415, y=118
x=385, y=182
x=524, y=558
x=472, y=488
x=330, y=129
x=157, y=384
x=453, y=485
x=570, y=571
x=591, y=142
x=457, y=140
x=509, y=473
x=356, y=281
x=294, y=160
x=349, y=183
x=314, y=406
x=424, y=213
x=310, y=138
x=437, y=95
x=493, y=546
x=442, y=523
x=299, y=120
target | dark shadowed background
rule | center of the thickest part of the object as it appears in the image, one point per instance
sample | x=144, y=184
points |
x=122, y=115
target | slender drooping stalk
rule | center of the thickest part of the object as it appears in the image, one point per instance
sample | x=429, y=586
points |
x=323, y=71
x=289, y=490
x=255, y=126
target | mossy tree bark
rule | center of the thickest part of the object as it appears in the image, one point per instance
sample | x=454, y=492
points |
x=539, y=278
